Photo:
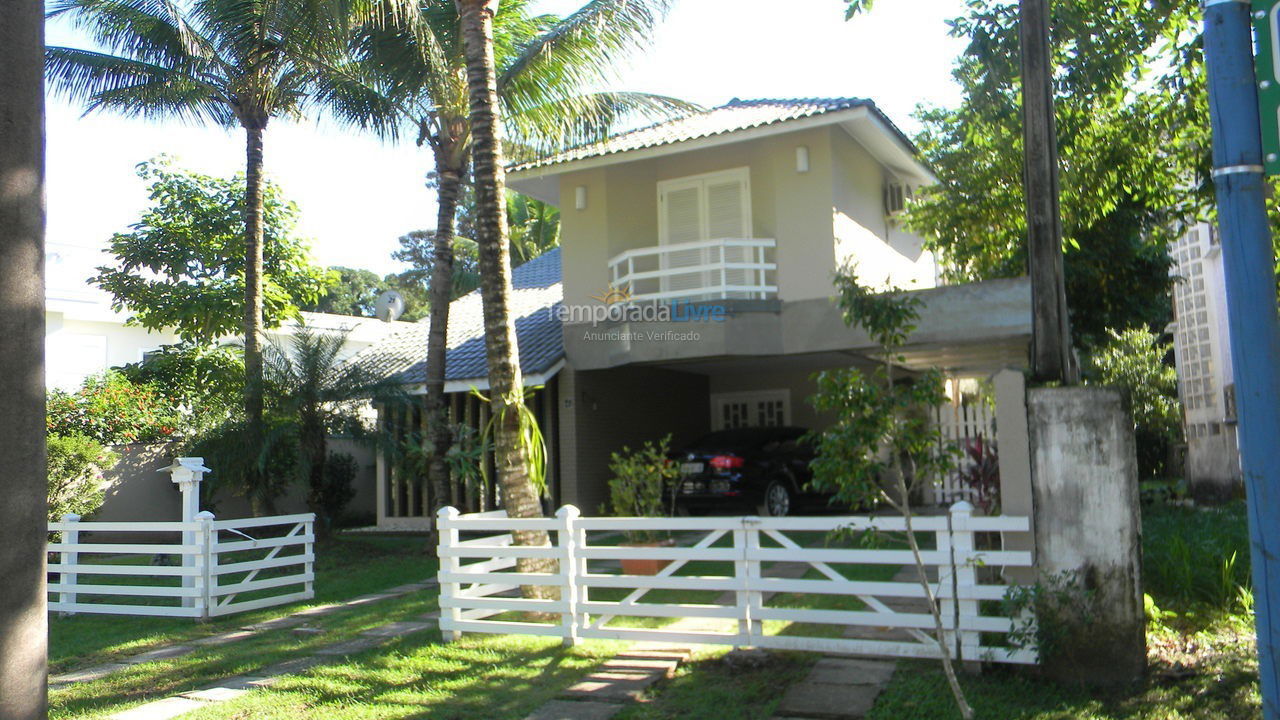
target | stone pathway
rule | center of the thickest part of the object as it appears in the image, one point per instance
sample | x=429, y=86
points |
x=233, y=687
x=846, y=688
x=618, y=682
x=292, y=620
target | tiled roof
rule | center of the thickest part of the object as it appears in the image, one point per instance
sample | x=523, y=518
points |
x=730, y=117
x=536, y=294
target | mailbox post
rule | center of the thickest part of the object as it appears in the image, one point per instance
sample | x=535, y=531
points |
x=187, y=473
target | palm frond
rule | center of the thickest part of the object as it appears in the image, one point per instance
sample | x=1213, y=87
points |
x=582, y=119
x=152, y=31
x=134, y=87
x=584, y=50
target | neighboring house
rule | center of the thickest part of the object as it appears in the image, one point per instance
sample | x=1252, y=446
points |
x=692, y=290
x=84, y=336
x=1202, y=353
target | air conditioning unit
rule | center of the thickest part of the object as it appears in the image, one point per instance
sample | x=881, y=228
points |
x=896, y=195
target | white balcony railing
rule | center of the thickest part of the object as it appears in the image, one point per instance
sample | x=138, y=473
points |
x=724, y=269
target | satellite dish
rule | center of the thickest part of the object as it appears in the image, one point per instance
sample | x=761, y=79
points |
x=390, y=306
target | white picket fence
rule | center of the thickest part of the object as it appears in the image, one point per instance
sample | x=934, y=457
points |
x=480, y=589
x=960, y=423
x=222, y=568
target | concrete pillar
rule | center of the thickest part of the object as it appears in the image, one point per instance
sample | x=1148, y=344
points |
x=1088, y=523
x=1014, y=456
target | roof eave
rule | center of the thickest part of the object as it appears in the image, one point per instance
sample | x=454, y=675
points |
x=542, y=182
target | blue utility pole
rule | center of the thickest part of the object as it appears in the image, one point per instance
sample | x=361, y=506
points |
x=1249, y=264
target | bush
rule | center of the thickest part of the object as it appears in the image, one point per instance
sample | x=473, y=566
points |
x=112, y=411
x=75, y=467
x=336, y=491
x=1133, y=362
x=203, y=383
x=640, y=482
x=258, y=468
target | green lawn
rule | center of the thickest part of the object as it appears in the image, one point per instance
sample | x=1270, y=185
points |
x=346, y=567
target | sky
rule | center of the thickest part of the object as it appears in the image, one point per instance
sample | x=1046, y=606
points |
x=358, y=195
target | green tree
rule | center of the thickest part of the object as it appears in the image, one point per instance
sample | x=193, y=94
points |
x=75, y=467
x=1132, y=121
x=883, y=445
x=220, y=62
x=544, y=72
x=202, y=381
x=181, y=265
x=352, y=291
x=314, y=393
x=1134, y=361
x=418, y=249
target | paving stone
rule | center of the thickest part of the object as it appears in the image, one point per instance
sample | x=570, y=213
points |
x=169, y=651
x=224, y=638
x=289, y=667
x=243, y=682
x=87, y=674
x=575, y=710
x=616, y=686
x=308, y=631
x=350, y=647
x=366, y=599
x=833, y=702
x=160, y=709
x=396, y=629
x=432, y=617
x=217, y=694
x=276, y=624
x=319, y=610
x=652, y=655
x=666, y=667
x=846, y=671
x=683, y=651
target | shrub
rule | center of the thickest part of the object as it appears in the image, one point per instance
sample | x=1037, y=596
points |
x=112, y=411
x=259, y=468
x=1133, y=362
x=640, y=482
x=1196, y=556
x=337, y=489
x=203, y=383
x=75, y=467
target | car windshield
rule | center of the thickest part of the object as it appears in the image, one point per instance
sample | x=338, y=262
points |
x=744, y=438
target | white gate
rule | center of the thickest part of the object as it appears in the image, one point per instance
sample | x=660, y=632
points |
x=734, y=564
x=961, y=422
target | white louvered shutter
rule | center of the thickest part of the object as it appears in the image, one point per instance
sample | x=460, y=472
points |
x=726, y=219
x=682, y=212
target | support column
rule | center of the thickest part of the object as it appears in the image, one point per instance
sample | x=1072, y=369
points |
x=1088, y=527
x=1014, y=457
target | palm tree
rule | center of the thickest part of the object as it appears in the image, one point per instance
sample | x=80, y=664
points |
x=226, y=63
x=23, y=629
x=415, y=74
x=314, y=393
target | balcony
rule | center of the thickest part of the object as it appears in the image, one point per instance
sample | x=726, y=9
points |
x=724, y=269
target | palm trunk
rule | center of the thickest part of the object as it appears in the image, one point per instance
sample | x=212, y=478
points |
x=23, y=615
x=506, y=390
x=253, y=280
x=449, y=172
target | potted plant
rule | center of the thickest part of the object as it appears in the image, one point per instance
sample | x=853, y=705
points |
x=640, y=487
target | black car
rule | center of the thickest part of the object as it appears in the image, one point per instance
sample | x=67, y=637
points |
x=758, y=470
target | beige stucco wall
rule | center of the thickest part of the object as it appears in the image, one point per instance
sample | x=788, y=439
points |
x=799, y=385
x=885, y=254
x=622, y=210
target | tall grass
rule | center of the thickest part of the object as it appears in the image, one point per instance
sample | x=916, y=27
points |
x=1196, y=557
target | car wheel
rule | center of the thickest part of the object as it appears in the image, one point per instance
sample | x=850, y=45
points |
x=777, y=500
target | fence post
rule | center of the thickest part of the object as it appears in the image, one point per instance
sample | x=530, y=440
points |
x=70, y=558
x=450, y=615
x=568, y=542
x=966, y=579
x=205, y=559
x=747, y=572
x=308, y=550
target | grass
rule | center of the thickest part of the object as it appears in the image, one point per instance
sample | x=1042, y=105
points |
x=346, y=567
x=706, y=687
x=1201, y=651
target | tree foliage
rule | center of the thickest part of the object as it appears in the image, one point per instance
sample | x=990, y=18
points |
x=202, y=382
x=351, y=291
x=113, y=411
x=74, y=470
x=181, y=265
x=1132, y=125
x=1133, y=361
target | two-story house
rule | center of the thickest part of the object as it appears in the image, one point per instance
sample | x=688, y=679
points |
x=694, y=286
